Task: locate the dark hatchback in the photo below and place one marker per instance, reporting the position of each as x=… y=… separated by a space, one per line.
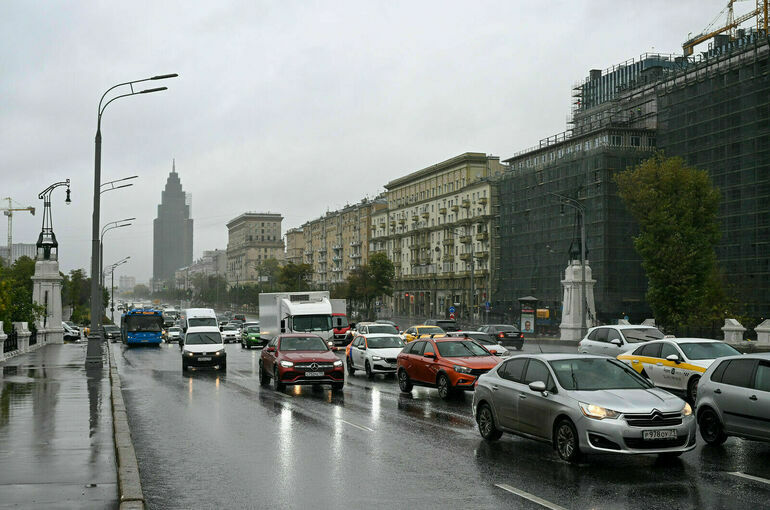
x=505 y=334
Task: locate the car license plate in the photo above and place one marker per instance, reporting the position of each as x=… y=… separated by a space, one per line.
x=204 y=358
x=649 y=435
x=314 y=374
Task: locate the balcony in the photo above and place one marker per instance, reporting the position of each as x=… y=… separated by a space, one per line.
x=355 y=244
x=483 y=200
x=442 y=210
x=355 y=256
x=482 y=236
x=465 y=239
x=336 y=258
x=448 y=241
x=415 y=218
x=455 y=208
x=482 y=254
x=466 y=203
x=465 y=256
x=336 y=270
x=448 y=258
x=425 y=215
x=322 y=250
x=401 y=221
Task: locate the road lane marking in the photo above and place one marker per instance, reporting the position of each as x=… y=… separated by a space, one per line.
x=531 y=497
x=366 y=429
x=750 y=477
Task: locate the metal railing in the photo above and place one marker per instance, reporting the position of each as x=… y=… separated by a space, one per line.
x=12 y=342
x=33 y=338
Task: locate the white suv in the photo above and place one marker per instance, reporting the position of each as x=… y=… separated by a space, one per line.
x=615 y=340
x=203 y=347
x=374 y=353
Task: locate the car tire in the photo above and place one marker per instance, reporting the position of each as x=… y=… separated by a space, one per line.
x=692 y=389
x=444 y=387
x=404 y=384
x=368 y=369
x=519 y=347
x=486 y=422
x=566 y=441
x=711 y=429
x=184 y=366
x=338 y=386
x=351 y=369
x=277 y=384
x=264 y=380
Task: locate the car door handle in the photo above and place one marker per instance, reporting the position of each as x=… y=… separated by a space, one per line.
x=753 y=397
x=718 y=391
x=494 y=387
x=522 y=396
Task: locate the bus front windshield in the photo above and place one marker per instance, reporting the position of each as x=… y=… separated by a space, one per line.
x=312 y=322
x=202 y=321
x=144 y=324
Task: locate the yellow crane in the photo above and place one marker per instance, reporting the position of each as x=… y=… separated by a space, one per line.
x=8 y=211
x=760 y=13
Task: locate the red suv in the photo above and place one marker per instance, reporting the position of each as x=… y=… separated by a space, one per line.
x=300 y=359
x=449 y=364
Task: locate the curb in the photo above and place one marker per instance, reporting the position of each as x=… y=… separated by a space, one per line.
x=129 y=483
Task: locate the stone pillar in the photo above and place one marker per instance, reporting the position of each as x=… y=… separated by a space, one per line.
x=763 y=332
x=47 y=293
x=23 y=335
x=733 y=331
x=623 y=322
x=3 y=337
x=648 y=322
x=572 y=310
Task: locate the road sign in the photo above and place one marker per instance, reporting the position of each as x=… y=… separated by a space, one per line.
x=487 y=305
x=452 y=309
x=451 y=315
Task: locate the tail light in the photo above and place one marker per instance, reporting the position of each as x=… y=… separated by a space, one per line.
x=501 y=335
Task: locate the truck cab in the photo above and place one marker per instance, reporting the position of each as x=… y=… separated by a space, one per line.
x=295 y=312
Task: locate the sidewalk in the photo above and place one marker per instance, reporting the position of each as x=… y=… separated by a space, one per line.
x=56 y=440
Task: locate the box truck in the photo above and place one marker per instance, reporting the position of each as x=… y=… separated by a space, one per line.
x=295 y=312
x=340 y=319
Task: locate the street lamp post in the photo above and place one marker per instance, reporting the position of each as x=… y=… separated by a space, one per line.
x=94 y=351
x=580 y=208
x=111 y=269
x=106 y=228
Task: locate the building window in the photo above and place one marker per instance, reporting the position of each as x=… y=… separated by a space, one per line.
x=616 y=140
x=636 y=141
x=651 y=141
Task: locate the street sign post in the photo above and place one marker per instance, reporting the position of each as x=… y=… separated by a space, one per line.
x=451 y=309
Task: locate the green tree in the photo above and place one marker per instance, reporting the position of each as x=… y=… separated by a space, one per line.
x=269 y=269
x=370 y=281
x=16 y=303
x=295 y=277
x=676 y=207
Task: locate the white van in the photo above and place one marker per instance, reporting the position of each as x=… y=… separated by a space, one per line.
x=203 y=347
x=193 y=317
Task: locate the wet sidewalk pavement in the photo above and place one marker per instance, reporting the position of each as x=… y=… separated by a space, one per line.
x=56 y=442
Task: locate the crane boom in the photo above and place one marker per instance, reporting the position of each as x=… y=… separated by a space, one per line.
x=731 y=23
x=8 y=211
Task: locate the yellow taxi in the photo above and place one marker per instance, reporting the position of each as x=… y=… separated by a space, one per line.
x=676 y=364
x=422 y=330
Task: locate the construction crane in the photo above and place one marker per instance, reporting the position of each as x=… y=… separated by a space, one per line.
x=760 y=13
x=8 y=211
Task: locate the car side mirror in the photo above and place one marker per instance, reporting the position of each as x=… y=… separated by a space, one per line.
x=538 y=386
x=430 y=355
x=616 y=341
x=271 y=349
x=283 y=325
x=674 y=358
x=362 y=347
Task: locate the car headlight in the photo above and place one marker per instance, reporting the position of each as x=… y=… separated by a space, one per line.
x=338 y=363
x=598 y=412
x=188 y=353
x=220 y=353
x=686 y=410
x=287 y=364
x=462 y=370
x=377 y=358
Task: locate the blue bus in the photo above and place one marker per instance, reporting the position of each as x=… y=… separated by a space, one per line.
x=142 y=326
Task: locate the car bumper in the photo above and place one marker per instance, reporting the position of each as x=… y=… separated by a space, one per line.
x=289 y=376
x=253 y=341
x=196 y=361
x=381 y=367
x=616 y=436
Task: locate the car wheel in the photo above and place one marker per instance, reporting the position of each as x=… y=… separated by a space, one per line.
x=337 y=386
x=519 y=347
x=404 y=384
x=351 y=370
x=277 y=384
x=264 y=380
x=368 y=369
x=486 y=424
x=184 y=366
x=566 y=441
x=692 y=389
x=444 y=386
x=711 y=429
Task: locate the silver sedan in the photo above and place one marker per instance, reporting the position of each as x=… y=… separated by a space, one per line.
x=581 y=404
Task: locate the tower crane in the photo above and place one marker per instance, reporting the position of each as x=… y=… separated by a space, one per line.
x=8 y=211
x=760 y=13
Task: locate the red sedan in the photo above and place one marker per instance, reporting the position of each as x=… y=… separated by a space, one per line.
x=300 y=359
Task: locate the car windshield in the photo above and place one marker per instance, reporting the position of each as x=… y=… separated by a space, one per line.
x=707 y=350
x=202 y=338
x=230 y=327
x=636 y=336
x=252 y=329
x=174 y=330
x=70 y=324
x=303 y=343
x=312 y=322
x=482 y=338
x=591 y=374
x=384 y=342
x=111 y=329
x=382 y=328
x=460 y=349
x=430 y=330
x=201 y=321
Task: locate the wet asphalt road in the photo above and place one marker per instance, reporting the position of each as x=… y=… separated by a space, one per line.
x=219 y=440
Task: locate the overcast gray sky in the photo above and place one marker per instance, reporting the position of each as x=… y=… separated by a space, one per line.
x=290 y=107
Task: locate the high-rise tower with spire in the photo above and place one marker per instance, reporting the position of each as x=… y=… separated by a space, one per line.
x=172 y=232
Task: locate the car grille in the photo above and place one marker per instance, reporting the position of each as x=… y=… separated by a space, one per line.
x=390 y=360
x=319 y=366
x=638 y=443
x=478 y=371
x=654 y=419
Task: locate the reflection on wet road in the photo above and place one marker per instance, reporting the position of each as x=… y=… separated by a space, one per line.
x=208 y=439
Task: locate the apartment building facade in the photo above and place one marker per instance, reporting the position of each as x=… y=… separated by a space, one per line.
x=252 y=238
